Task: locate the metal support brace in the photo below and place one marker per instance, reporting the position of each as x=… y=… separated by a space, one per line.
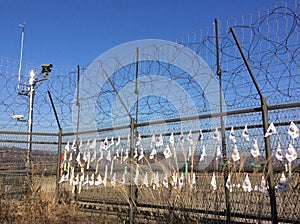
x=264 y=108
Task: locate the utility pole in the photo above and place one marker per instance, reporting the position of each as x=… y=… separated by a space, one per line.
x=31 y=93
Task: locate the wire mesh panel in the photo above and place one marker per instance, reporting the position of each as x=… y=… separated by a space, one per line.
x=152 y=127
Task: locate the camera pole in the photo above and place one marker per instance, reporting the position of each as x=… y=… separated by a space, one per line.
x=31 y=92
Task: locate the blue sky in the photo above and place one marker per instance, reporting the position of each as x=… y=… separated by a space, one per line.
x=72 y=32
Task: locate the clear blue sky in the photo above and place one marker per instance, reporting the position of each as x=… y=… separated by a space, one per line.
x=72 y=32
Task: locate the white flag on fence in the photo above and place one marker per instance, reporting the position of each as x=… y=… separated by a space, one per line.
x=190 y=138
x=190 y=152
x=76 y=179
x=117 y=154
x=111 y=142
x=123 y=181
x=88 y=159
x=216 y=135
x=181 y=138
x=245 y=133
x=141 y=156
x=283 y=184
x=279 y=153
x=156 y=181
x=87 y=144
x=235 y=153
x=136 y=178
x=80 y=183
x=67 y=147
x=113 y=180
x=193 y=179
x=165 y=181
x=74 y=146
x=126 y=155
x=146 y=181
x=203 y=153
x=128 y=140
x=153 y=141
x=271 y=130
x=228 y=184
x=247 y=184
x=135 y=153
x=291 y=153
x=64 y=178
x=167 y=152
x=213 y=182
x=218 y=150
x=174 y=179
x=92 y=180
x=108 y=156
x=105 y=144
x=160 y=141
x=200 y=137
x=171 y=140
x=255 y=150
x=138 y=140
x=71 y=157
x=93 y=145
x=98 y=180
x=263 y=186
x=72 y=174
x=85 y=156
x=119 y=141
x=86 y=180
x=78 y=158
x=293 y=130
x=152 y=154
x=232 y=135
x=181 y=180
x=80 y=144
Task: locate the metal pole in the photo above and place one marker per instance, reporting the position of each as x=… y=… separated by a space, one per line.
x=131 y=186
x=21 y=57
x=136 y=91
x=58 y=163
x=224 y=152
x=77 y=128
x=29 y=139
x=269 y=157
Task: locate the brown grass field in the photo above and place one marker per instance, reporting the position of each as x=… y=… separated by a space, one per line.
x=99 y=204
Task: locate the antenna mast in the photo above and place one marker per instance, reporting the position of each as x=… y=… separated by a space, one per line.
x=21 y=56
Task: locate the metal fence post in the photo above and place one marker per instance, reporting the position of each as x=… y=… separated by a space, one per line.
x=131 y=186
x=58 y=164
x=224 y=150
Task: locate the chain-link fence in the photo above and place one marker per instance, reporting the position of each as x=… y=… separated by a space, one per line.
x=194 y=131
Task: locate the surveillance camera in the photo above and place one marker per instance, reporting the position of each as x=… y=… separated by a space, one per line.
x=18 y=116
x=46 y=68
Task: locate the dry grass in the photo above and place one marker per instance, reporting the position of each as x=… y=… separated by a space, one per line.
x=40 y=208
